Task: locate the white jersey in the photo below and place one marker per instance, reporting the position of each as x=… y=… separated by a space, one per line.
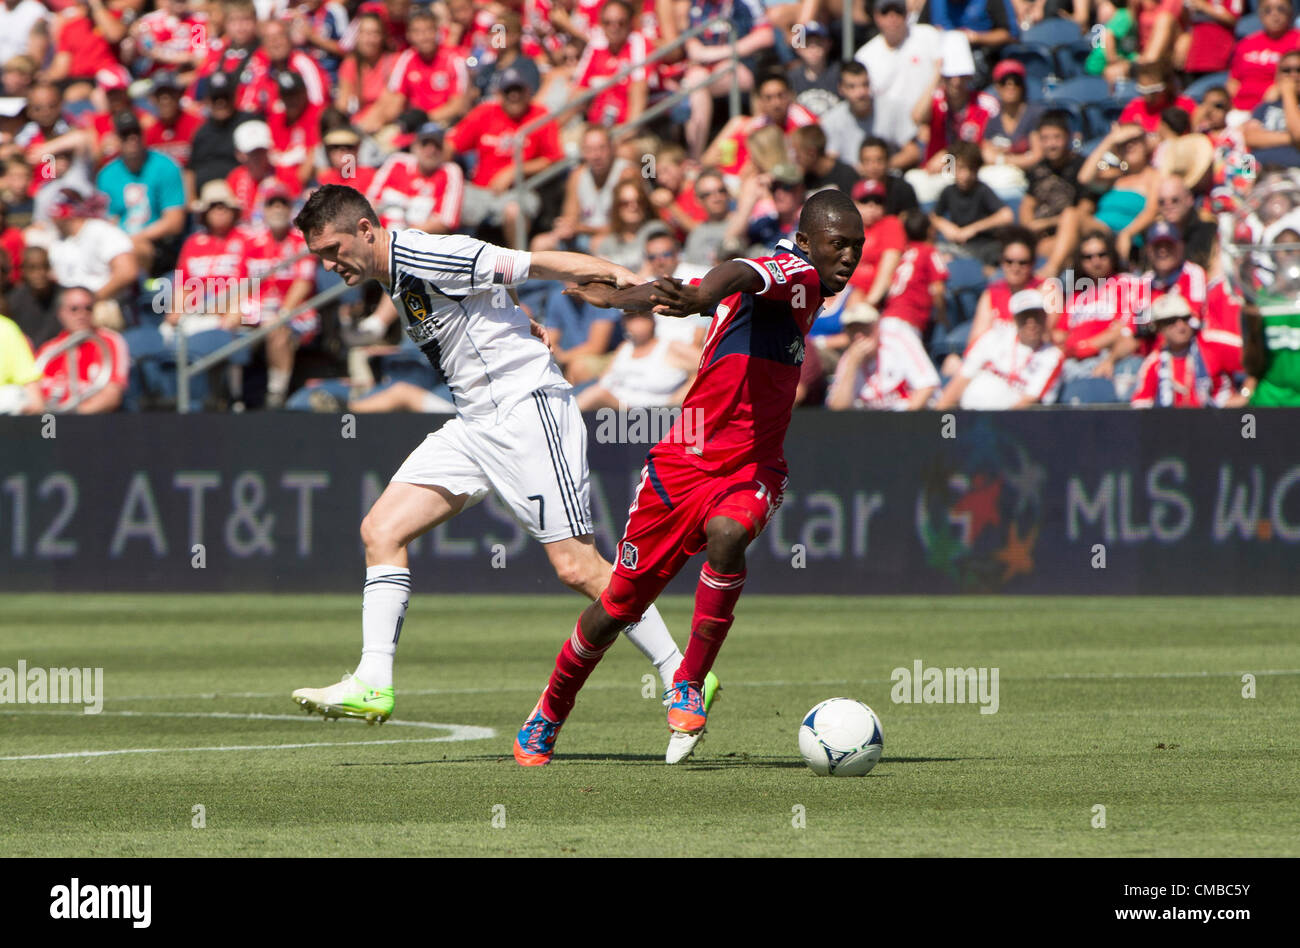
x=645 y=382
x=453 y=290
x=899 y=369
x=1003 y=370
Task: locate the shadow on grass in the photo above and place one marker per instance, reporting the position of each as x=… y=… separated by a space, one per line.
x=726 y=762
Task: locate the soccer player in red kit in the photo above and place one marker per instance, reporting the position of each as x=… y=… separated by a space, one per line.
x=715 y=479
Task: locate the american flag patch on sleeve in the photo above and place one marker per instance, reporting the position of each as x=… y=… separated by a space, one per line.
x=504 y=270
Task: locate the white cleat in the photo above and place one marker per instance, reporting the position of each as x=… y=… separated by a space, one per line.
x=349 y=698
x=681 y=746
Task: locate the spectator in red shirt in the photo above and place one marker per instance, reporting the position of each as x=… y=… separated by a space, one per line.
x=422 y=190
x=279 y=291
x=883 y=249
x=363 y=76
x=1207 y=46
x=295 y=129
x=617 y=49
x=425 y=77
x=1157 y=90
x=107 y=143
x=170 y=38
x=85 y=42
x=776 y=107
x=255 y=173
x=673 y=194
x=213 y=265
x=341 y=148
x=1159 y=24
x=994 y=306
x=259 y=90
x=105 y=352
x=231 y=51
x=1184 y=372
x=916 y=292
x=11 y=250
x=488 y=133
x=172 y=131
x=1255 y=58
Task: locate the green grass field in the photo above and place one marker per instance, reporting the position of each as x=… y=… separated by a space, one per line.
x=1133 y=704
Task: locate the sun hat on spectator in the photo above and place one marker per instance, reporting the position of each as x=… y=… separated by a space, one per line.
x=868 y=190
x=1169 y=307
x=1288 y=221
x=787 y=174
x=1188 y=157
x=861 y=314
x=1028 y=301
x=431 y=131
x=342 y=136
x=217 y=192
x=251 y=136
x=954 y=48
x=512 y=78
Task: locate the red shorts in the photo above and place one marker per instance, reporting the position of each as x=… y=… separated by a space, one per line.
x=666 y=523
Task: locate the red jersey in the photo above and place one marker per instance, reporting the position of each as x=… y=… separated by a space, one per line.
x=598 y=65
x=796 y=117
x=174 y=140
x=1196 y=379
x=176 y=36
x=1212 y=41
x=490 y=132
x=259 y=93
x=12 y=245
x=404 y=197
x=1139 y=113
x=262 y=252
x=55 y=383
x=361 y=178
x=251 y=192
x=1254 y=65
x=1189 y=282
x=739 y=406
x=1092 y=310
x=964 y=125
x=909 y=292
x=86 y=47
x=205 y=255
x=429 y=84
x=293 y=143
x=885 y=234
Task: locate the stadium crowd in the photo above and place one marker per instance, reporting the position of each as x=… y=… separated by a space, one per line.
x=1040 y=185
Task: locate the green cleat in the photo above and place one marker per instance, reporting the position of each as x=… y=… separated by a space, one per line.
x=682 y=745
x=350 y=698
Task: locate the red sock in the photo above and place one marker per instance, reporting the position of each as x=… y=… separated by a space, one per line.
x=576 y=661
x=715 y=600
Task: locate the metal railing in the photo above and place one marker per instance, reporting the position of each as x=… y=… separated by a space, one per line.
x=72 y=346
x=185 y=369
x=732 y=68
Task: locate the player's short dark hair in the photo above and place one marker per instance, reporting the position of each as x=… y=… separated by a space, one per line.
x=335 y=204
x=824 y=205
x=916 y=226
x=854 y=68
x=1056 y=118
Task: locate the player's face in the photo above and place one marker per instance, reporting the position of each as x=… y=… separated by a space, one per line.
x=348 y=255
x=834 y=249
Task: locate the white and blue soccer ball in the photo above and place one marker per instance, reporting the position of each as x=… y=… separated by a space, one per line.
x=841 y=737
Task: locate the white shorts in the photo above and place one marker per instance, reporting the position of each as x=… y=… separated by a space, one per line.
x=535 y=461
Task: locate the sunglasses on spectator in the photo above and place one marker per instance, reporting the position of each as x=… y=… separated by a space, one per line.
x=665 y=255
x=1102 y=255
x=1013 y=80
x=1217 y=104
x=1277 y=8
x=1171 y=200
x=705 y=195
x=78 y=306
x=1017 y=261
x=1152 y=89
x=1289 y=70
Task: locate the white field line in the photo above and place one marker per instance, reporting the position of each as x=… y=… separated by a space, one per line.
x=459 y=732
x=608 y=686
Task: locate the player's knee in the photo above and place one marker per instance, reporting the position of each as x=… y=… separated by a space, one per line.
x=378 y=536
x=573 y=569
x=727 y=540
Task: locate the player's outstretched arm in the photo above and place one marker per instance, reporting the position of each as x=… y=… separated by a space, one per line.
x=734 y=276
x=579 y=268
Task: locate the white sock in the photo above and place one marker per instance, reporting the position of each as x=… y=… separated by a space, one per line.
x=383 y=607
x=277 y=381
x=652 y=637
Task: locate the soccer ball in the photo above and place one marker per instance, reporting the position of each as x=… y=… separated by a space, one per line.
x=841 y=738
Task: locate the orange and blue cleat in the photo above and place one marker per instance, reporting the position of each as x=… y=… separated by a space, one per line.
x=687 y=712
x=535 y=742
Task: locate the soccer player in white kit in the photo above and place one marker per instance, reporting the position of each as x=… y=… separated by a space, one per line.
x=517 y=430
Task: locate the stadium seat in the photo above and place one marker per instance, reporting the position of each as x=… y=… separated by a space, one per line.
x=1101 y=115
x=965 y=272
x=1204 y=84
x=1078 y=121
x=1083 y=89
x=1071 y=57
x=1053 y=32
x=1248 y=24
x=1087 y=391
